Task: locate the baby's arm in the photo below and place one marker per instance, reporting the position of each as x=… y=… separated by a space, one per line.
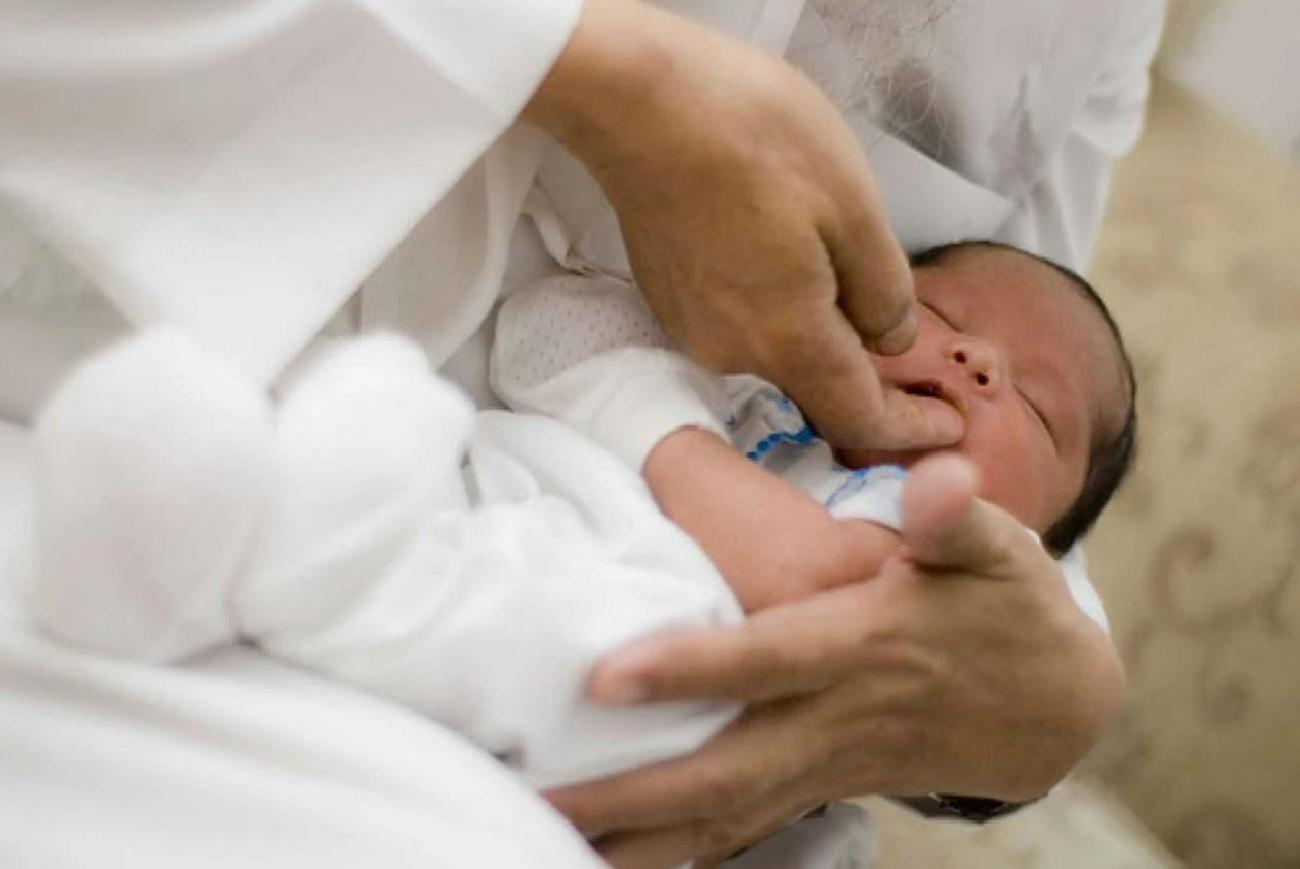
x=587 y=351
x=728 y=504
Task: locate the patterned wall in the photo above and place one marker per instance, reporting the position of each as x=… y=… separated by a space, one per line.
x=1199 y=559
x=1241 y=56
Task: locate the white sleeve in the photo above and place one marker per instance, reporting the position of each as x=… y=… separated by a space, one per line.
x=1074 y=564
x=237 y=167
x=586 y=350
x=1061 y=214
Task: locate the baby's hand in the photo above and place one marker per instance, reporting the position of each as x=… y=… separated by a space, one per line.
x=771 y=542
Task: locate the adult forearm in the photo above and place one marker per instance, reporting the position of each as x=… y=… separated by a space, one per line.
x=612 y=64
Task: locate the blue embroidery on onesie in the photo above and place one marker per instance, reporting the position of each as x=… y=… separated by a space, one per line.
x=858 y=479
x=802 y=437
x=783 y=420
x=874 y=494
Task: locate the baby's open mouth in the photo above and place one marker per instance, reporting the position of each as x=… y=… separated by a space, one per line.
x=932 y=389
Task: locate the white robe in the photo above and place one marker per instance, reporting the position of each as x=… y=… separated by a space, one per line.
x=238 y=168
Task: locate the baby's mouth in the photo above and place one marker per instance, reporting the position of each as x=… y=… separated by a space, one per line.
x=933 y=389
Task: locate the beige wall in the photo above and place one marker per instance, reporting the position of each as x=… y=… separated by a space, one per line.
x=1242 y=56
x=1184 y=16
x=1199 y=557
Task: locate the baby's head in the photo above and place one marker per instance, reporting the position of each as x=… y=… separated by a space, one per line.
x=1027 y=353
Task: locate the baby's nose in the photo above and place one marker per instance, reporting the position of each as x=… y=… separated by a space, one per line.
x=979 y=359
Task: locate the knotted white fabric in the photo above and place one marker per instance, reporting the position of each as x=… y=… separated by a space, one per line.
x=372 y=527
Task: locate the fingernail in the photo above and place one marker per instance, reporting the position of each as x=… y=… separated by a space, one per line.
x=619 y=682
x=619 y=692
x=621 y=679
x=946 y=424
x=900 y=338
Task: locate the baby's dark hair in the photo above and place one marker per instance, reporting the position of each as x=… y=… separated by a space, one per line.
x=1110 y=457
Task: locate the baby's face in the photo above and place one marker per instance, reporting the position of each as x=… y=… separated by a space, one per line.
x=1027 y=362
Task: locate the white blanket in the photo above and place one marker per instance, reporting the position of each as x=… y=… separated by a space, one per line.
x=179 y=512
x=233 y=759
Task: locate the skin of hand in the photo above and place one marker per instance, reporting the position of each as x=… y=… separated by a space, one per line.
x=906 y=684
x=725 y=503
x=750 y=215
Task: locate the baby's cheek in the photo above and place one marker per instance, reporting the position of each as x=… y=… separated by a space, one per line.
x=1014 y=475
x=1012 y=492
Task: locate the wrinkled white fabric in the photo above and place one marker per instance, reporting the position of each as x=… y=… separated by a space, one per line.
x=238 y=759
x=234 y=758
x=178 y=512
x=204 y=162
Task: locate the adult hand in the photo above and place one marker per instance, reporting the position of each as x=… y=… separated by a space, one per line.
x=964 y=667
x=750 y=215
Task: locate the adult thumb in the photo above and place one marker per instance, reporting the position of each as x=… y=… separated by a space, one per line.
x=945 y=526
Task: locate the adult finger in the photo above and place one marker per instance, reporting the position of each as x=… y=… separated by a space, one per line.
x=675 y=846
x=783 y=651
x=821 y=363
x=704 y=844
x=661 y=794
x=709 y=841
x=874 y=278
x=946 y=526
x=658 y=849
x=756 y=756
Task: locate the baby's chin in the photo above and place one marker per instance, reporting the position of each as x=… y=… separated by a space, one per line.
x=873 y=458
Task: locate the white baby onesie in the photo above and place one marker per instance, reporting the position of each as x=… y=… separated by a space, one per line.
x=586 y=349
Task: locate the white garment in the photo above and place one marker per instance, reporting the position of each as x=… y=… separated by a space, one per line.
x=233 y=759
x=237 y=167
x=172 y=151
x=586 y=350
x=178 y=513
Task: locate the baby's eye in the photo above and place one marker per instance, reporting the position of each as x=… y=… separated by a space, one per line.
x=1042 y=417
x=947 y=321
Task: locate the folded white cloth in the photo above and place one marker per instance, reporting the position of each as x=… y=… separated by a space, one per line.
x=178 y=510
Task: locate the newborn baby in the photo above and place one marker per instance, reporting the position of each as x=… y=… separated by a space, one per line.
x=1024 y=350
